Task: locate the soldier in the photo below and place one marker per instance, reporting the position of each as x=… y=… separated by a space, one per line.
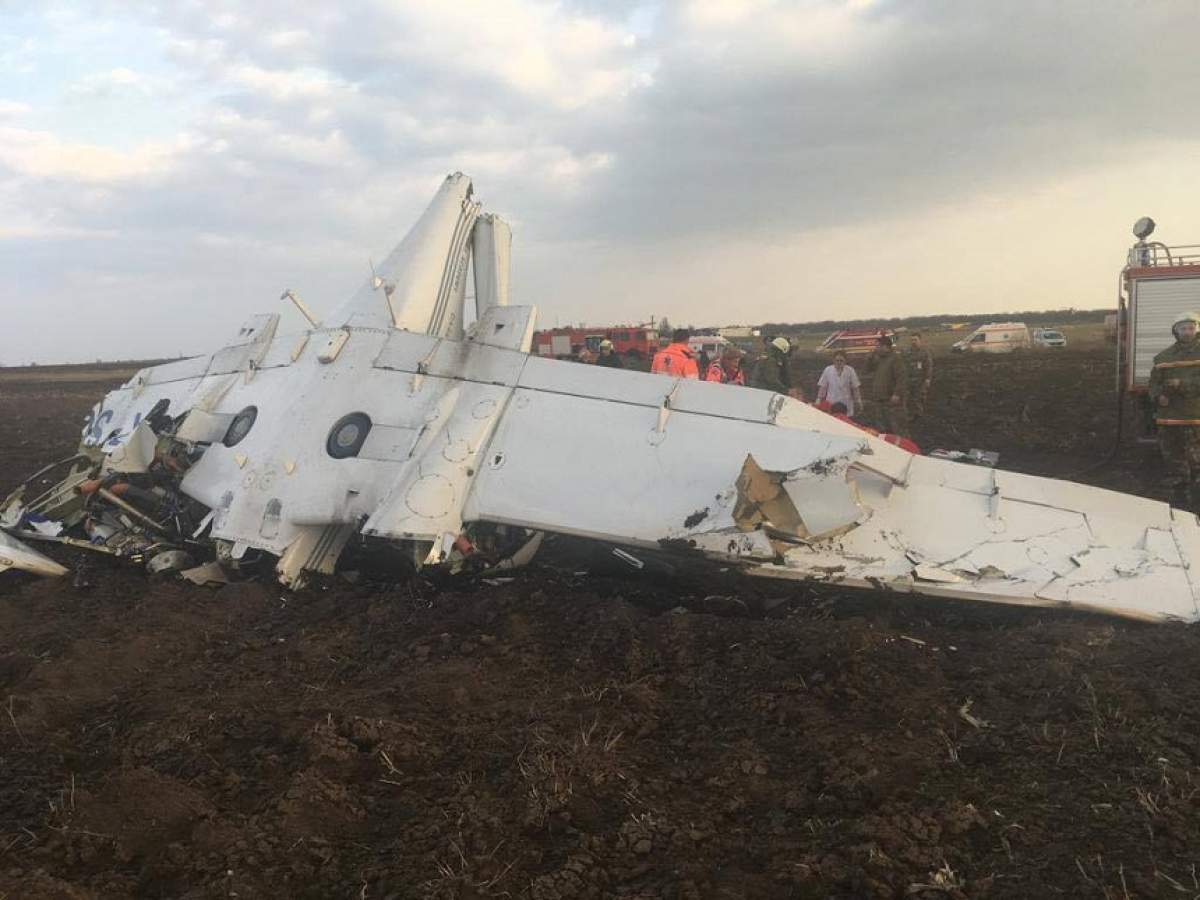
x=774 y=371
x=1175 y=393
x=889 y=388
x=920 y=370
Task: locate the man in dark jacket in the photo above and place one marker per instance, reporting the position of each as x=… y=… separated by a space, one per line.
x=889 y=388
x=774 y=372
x=607 y=358
x=920 y=370
x=1175 y=393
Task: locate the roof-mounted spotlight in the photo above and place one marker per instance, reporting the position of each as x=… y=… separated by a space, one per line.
x=1143 y=228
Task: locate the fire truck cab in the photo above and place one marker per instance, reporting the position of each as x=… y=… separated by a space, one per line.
x=633 y=341
x=1158 y=283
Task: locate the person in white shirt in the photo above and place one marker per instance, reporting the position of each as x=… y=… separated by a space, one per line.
x=839 y=384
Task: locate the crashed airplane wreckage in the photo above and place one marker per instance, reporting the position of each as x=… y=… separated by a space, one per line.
x=394 y=424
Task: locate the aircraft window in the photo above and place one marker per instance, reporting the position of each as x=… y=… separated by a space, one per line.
x=348 y=435
x=240 y=426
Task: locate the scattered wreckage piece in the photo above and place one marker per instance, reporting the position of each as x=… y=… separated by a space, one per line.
x=400 y=425
x=16 y=555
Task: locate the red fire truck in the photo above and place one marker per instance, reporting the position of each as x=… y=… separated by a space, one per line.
x=854 y=343
x=1158 y=283
x=638 y=341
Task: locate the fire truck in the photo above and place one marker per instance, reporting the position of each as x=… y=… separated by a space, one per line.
x=637 y=341
x=854 y=343
x=1157 y=284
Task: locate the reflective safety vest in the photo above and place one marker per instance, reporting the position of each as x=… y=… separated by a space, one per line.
x=716 y=372
x=676 y=360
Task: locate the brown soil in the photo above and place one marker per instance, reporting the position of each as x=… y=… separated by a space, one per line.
x=569 y=735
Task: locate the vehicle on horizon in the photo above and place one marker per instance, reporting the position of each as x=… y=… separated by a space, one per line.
x=739 y=332
x=633 y=341
x=855 y=342
x=1048 y=337
x=710 y=344
x=995 y=337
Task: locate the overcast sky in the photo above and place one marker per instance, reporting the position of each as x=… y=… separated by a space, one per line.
x=168 y=168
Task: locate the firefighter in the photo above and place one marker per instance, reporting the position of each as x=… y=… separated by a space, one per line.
x=676 y=359
x=774 y=371
x=607 y=358
x=889 y=387
x=1175 y=393
x=920 y=371
x=727 y=369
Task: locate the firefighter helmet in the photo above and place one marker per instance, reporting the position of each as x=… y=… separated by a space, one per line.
x=1180 y=319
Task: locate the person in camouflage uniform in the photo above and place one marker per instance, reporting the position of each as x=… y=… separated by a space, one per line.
x=1175 y=393
x=920 y=370
x=889 y=388
x=774 y=372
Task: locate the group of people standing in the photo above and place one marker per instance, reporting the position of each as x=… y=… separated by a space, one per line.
x=773 y=371
x=900 y=381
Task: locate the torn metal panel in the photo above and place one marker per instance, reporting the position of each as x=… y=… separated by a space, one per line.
x=1115 y=518
x=1126 y=582
x=312 y=549
x=973 y=479
x=887 y=459
x=16 y=555
x=959 y=541
x=826 y=503
x=209 y=574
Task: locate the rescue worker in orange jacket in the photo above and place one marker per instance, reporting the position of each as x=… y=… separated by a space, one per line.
x=677 y=358
x=727 y=369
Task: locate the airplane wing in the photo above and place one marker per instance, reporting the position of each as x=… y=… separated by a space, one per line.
x=640 y=459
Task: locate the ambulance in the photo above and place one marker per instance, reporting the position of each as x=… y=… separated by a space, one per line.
x=996 y=337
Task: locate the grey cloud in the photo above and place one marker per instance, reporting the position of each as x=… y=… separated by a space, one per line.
x=962 y=97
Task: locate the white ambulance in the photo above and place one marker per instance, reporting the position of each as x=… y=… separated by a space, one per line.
x=996 y=337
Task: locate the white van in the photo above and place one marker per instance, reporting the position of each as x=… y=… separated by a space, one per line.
x=711 y=344
x=999 y=337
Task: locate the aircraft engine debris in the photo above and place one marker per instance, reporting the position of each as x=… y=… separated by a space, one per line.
x=394 y=422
